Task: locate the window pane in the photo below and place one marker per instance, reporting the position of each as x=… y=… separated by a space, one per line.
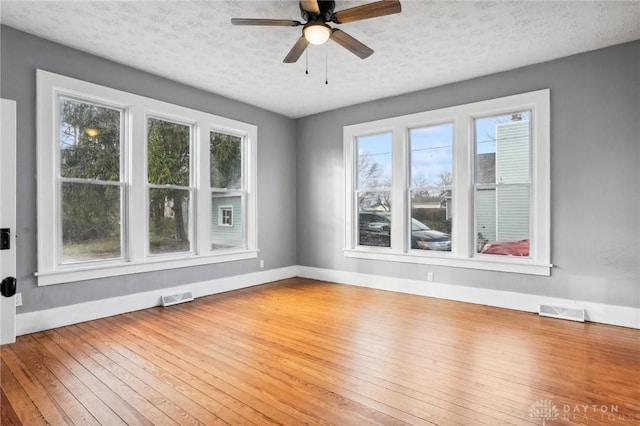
x=169 y=218
x=431 y=219
x=226 y=161
x=431 y=183
x=89 y=138
x=502 y=220
x=374 y=161
x=502 y=148
x=90 y=222
x=168 y=146
x=432 y=156
x=227 y=221
x=374 y=219
x=502 y=204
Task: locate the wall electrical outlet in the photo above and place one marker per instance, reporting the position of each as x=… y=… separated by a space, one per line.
x=430 y=276
x=261 y=264
x=18 y=299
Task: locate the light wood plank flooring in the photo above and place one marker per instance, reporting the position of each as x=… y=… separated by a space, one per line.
x=306 y=352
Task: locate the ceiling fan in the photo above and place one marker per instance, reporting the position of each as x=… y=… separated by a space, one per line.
x=315 y=30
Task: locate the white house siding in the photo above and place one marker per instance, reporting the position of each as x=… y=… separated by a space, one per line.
x=224 y=236
x=512 y=167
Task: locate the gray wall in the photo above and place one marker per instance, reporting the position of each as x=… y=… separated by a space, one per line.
x=21 y=54
x=595 y=172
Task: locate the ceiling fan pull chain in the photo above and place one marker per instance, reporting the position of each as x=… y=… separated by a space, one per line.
x=326 y=67
x=306 y=62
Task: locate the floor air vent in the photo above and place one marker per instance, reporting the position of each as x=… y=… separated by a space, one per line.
x=174 y=299
x=573 y=314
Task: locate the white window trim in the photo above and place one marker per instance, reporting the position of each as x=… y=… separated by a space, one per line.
x=137 y=109
x=463 y=253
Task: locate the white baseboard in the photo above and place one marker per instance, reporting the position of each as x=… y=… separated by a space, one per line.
x=596 y=312
x=47 y=319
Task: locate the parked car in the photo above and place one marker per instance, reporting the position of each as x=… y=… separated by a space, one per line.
x=425 y=238
x=507 y=248
x=375 y=230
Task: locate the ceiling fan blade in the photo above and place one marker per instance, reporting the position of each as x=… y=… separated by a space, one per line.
x=296 y=51
x=267 y=22
x=351 y=44
x=310 y=6
x=371 y=10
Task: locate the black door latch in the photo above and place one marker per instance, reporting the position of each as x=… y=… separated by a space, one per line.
x=5 y=239
x=8 y=286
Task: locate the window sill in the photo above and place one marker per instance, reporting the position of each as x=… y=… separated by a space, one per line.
x=95 y=271
x=506 y=264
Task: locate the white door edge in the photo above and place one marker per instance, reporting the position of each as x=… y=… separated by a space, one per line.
x=8 y=214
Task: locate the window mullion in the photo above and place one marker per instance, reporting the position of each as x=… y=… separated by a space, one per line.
x=462 y=240
x=399 y=215
x=202 y=192
x=137 y=193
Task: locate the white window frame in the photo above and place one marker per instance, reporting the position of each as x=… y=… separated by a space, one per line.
x=463 y=253
x=221 y=211
x=192 y=188
x=136 y=111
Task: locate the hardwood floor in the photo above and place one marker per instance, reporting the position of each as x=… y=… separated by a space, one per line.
x=306 y=352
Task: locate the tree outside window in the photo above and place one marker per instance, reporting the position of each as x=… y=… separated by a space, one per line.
x=169 y=177
x=91 y=190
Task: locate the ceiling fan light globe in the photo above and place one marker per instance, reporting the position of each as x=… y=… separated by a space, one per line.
x=317 y=33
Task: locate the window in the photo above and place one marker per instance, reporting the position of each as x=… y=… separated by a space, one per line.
x=225 y=216
x=90 y=182
x=430 y=188
x=502 y=184
x=373 y=190
x=128 y=184
x=228 y=193
x=169 y=186
x=469 y=186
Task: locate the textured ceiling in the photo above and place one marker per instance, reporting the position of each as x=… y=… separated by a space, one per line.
x=429 y=44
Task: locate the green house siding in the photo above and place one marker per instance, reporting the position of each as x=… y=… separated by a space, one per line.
x=486 y=214
x=513 y=213
x=512 y=167
x=512 y=152
x=222 y=235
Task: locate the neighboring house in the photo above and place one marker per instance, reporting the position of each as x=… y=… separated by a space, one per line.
x=427 y=203
x=168 y=208
x=486 y=198
x=226 y=222
x=512 y=167
x=503 y=212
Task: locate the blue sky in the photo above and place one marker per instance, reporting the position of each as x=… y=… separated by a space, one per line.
x=431 y=147
x=431 y=153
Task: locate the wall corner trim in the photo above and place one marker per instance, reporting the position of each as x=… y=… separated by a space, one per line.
x=623 y=316
x=31 y=322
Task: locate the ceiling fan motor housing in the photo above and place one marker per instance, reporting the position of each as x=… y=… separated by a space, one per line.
x=325 y=14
